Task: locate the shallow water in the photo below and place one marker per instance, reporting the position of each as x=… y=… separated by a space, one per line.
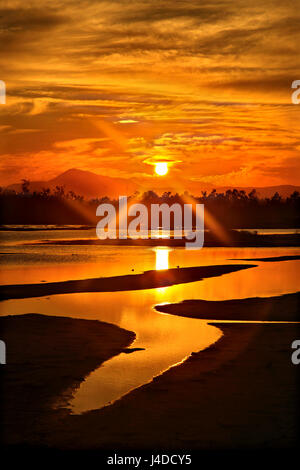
x=167 y=339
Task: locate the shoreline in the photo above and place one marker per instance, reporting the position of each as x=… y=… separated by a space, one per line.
x=47 y=359
x=240 y=393
x=230 y=238
x=278 y=308
x=147 y=280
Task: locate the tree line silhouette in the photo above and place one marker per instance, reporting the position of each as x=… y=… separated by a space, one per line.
x=232 y=209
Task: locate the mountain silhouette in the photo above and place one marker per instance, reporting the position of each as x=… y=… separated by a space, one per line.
x=84 y=183
x=91 y=185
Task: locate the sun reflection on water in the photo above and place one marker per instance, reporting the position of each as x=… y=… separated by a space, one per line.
x=162 y=258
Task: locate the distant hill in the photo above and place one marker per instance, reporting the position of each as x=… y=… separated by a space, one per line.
x=89 y=185
x=84 y=183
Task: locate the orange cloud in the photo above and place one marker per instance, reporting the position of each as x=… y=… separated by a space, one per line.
x=110 y=86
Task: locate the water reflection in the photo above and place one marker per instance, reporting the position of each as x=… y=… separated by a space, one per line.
x=162 y=258
x=167 y=339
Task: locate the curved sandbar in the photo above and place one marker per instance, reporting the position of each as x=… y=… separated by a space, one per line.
x=47 y=356
x=280 y=308
x=271 y=258
x=147 y=280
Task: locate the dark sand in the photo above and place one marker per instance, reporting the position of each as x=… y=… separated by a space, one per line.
x=46 y=357
x=241 y=393
x=270 y=259
x=281 y=308
x=147 y=280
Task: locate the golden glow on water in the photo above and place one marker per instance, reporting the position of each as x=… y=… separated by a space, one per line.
x=162 y=258
x=166 y=339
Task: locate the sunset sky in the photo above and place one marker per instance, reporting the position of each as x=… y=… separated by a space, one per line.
x=113 y=86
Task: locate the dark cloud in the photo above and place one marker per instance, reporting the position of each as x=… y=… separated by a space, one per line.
x=154 y=11
x=20 y=27
x=263 y=81
x=16 y=20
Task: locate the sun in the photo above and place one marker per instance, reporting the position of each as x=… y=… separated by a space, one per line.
x=161 y=168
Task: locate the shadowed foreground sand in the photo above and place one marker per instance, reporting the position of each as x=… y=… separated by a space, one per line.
x=241 y=393
x=46 y=355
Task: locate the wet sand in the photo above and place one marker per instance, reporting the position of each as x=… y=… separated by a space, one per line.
x=147 y=280
x=271 y=258
x=241 y=393
x=280 y=308
x=46 y=357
